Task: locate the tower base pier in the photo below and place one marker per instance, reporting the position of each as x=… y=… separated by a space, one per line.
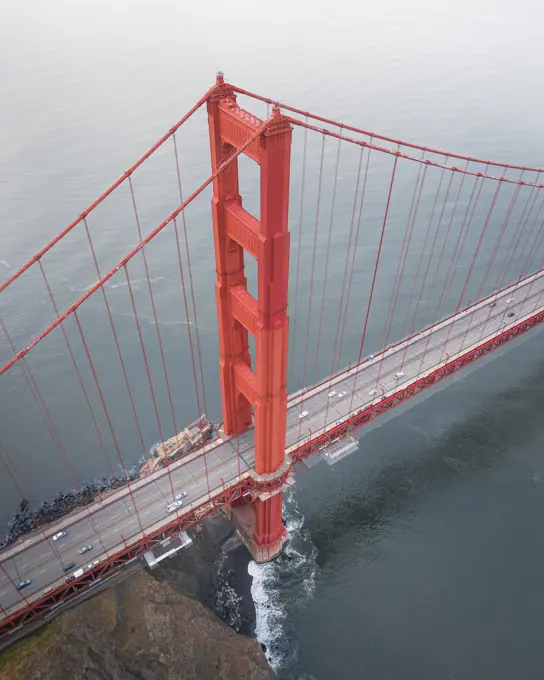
x=260 y=526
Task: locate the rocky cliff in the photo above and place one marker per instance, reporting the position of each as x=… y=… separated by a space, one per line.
x=149 y=627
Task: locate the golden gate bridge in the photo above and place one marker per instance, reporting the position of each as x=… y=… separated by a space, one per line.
x=405 y=261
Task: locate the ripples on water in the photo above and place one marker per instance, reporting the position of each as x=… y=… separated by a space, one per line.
x=429 y=541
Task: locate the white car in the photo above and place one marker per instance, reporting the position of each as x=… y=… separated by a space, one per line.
x=85 y=549
x=332 y=394
x=303 y=415
x=372 y=393
x=59 y=535
x=174 y=506
x=341 y=394
x=180 y=496
x=398 y=375
x=509 y=301
x=89 y=566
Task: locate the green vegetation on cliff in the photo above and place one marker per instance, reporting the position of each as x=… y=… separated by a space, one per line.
x=144 y=628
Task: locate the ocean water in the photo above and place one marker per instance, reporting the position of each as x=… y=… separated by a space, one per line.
x=418 y=557
x=421 y=555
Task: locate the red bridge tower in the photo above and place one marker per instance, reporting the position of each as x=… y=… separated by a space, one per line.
x=261 y=392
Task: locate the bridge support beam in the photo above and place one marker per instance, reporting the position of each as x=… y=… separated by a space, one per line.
x=256 y=396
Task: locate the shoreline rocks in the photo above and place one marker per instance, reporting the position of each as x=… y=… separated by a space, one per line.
x=28 y=519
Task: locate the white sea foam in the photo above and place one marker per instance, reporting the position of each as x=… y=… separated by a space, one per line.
x=76 y=289
x=5 y=264
x=280 y=586
x=151 y=321
x=135 y=284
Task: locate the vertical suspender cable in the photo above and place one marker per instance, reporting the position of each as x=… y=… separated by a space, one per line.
x=437 y=312
x=148 y=372
x=320 y=328
x=187 y=320
x=345 y=275
x=536 y=219
x=354 y=255
x=12 y=474
x=475 y=256
x=318 y=207
x=34 y=389
x=309 y=316
x=412 y=215
x=501 y=278
x=348 y=252
x=401 y=262
x=534 y=250
x=467 y=221
x=430 y=257
x=116 y=340
x=374 y=275
x=108 y=418
x=442 y=249
x=498 y=241
x=80 y=379
x=197 y=331
x=299 y=249
x=154 y=309
x=482 y=234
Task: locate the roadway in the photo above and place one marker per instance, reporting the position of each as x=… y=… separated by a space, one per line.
x=357 y=388
x=115 y=519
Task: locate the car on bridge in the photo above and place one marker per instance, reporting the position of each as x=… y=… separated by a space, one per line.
x=85 y=549
x=492 y=304
x=372 y=393
x=23 y=584
x=303 y=415
x=398 y=375
x=59 y=535
x=69 y=567
x=180 y=496
x=86 y=568
x=511 y=314
x=174 y=506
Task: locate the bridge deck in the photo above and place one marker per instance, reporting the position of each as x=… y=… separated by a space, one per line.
x=36 y=558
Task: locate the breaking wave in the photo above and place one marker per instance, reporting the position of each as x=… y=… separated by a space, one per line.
x=281 y=586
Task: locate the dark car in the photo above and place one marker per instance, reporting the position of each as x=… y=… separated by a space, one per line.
x=23 y=584
x=68 y=567
x=511 y=314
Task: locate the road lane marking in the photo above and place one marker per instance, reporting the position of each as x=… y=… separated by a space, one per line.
x=25 y=570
